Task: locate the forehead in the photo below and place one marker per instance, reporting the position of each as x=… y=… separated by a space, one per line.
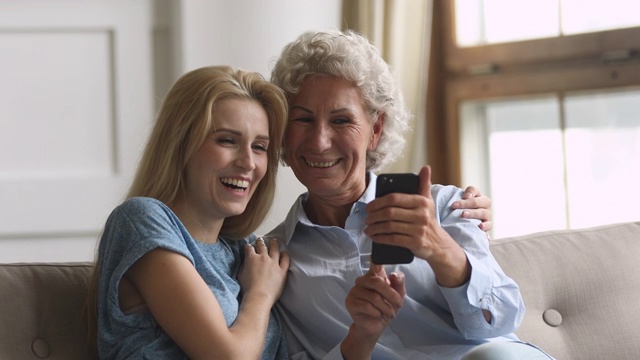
x=240 y=113
x=330 y=91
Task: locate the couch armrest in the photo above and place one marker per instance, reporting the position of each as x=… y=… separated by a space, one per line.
x=581 y=289
x=41 y=311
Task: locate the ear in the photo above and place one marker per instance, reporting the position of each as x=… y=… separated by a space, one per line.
x=377 y=131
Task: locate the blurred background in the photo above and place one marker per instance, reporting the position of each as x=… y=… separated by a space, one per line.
x=536 y=102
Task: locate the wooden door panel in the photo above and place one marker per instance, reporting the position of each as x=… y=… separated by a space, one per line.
x=75 y=107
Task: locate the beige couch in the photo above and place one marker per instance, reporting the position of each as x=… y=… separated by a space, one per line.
x=581 y=288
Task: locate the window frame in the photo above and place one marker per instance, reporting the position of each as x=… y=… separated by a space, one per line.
x=582 y=62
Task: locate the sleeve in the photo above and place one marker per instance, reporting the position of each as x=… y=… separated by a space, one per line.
x=133 y=229
x=334 y=354
x=489 y=288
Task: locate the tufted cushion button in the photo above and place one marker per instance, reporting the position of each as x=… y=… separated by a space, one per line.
x=552 y=317
x=40 y=348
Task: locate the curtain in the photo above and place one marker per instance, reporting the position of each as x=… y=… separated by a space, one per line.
x=401 y=29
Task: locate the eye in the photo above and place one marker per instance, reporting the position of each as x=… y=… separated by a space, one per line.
x=303 y=119
x=225 y=141
x=341 y=121
x=262 y=147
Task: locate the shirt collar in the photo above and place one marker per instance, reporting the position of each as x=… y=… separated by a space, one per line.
x=370 y=191
x=298 y=215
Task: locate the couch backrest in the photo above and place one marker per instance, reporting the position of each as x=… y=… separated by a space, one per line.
x=41 y=307
x=581 y=289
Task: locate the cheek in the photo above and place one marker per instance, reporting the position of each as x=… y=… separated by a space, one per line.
x=356 y=139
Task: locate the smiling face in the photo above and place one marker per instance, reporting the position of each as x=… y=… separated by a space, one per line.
x=327 y=137
x=223 y=173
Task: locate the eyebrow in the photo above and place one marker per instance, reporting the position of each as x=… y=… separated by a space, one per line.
x=345 y=109
x=238 y=133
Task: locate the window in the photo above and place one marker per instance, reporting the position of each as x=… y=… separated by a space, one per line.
x=538 y=103
x=481 y=22
x=576 y=159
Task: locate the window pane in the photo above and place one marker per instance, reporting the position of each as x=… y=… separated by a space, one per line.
x=513 y=149
x=508 y=20
x=481 y=22
x=581 y=16
x=603 y=158
x=469 y=20
x=525 y=170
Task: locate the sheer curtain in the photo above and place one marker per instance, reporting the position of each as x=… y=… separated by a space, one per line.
x=401 y=29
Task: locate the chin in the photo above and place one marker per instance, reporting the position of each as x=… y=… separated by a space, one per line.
x=235 y=211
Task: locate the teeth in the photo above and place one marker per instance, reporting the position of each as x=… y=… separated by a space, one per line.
x=235 y=182
x=324 y=164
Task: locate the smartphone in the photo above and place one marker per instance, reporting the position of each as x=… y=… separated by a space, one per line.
x=393 y=183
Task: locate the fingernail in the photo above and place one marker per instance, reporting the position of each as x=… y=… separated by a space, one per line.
x=398 y=275
x=455 y=205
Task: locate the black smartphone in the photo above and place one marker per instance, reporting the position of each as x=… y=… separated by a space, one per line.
x=393 y=183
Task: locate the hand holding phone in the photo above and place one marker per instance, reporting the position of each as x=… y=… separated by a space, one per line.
x=407 y=183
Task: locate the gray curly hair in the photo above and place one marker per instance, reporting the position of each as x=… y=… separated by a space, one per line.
x=349 y=55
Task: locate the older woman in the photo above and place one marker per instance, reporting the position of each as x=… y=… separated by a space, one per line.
x=346 y=121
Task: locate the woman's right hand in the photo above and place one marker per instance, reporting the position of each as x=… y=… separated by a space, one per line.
x=373 y=302
x=264 y=270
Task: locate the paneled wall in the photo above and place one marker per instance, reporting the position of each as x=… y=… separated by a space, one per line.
x=80 y=83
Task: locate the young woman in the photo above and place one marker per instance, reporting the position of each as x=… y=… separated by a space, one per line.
x=168 y=281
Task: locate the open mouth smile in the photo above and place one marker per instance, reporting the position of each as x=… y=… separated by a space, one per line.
x=320 y=164
x=235 y=184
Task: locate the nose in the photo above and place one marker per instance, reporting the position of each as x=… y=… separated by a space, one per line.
x=244 y=158
x=319 y=137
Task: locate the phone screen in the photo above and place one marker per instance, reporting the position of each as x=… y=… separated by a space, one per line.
x=393 y=183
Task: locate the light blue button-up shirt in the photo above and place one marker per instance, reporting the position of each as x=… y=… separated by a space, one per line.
x=434 y=322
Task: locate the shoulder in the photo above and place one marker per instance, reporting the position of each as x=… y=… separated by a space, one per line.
x=445 y=194
x=283 y=232
x=142 y=210
x=140 y=224
x=142 y=205
x=145 y=216
x=443 y=197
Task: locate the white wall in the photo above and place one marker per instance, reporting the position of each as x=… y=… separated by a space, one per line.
x=149 y=43
x=250 y=34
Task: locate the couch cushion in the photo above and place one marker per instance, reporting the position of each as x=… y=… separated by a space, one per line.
x=581 y=289
x=41 y=311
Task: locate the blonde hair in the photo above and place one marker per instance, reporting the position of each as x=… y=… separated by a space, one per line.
x=184 y=121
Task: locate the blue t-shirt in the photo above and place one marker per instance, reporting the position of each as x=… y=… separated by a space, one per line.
x=136 y=227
